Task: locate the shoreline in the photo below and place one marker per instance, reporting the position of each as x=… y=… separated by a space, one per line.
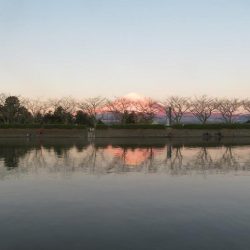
x=42 y=133
x=125 y=133
x=172 y=133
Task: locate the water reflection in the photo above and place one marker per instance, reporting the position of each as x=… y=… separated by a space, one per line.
x=171 y=157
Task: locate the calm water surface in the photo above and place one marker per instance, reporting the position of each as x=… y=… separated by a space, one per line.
x=124 y=194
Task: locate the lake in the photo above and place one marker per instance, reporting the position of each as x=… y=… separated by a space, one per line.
x=124 y=194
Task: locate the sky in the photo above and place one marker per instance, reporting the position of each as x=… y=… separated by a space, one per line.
x=156 y=48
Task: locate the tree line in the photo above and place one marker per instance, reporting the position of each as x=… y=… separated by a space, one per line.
x=91 y=111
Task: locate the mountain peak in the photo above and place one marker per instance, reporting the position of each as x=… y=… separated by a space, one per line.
x=134 y=97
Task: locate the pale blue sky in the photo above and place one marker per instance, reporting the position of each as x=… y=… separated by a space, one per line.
x=112 y=47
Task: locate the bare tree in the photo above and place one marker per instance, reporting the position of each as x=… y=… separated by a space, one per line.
x=228 y=108
x=202 y=108
x=93 y=107
x=31 y=105
x=68 y=104
x=120 y=107
x=43 y=107
x=178 y=106
x=35 y=106
x=2 y=102
x=246 y=105
x=53 y=103
x=2 y=98
x=147 y=109
x=144 y=110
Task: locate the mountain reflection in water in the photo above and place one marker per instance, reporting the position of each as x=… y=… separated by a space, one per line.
x=173 y=158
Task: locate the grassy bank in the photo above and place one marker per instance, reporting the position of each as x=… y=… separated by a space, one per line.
x=128 y=126
x=181 y=126
x=41 y=126
x=213 y=126
x=131 y=126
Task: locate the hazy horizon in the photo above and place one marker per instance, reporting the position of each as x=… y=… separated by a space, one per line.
x=112 y=48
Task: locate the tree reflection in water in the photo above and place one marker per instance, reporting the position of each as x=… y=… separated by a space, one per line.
x=11 y=156
x=170 y=158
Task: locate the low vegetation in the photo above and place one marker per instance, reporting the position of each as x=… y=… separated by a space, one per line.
x=131 y=126
x=212 y=126
x=41 y=126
